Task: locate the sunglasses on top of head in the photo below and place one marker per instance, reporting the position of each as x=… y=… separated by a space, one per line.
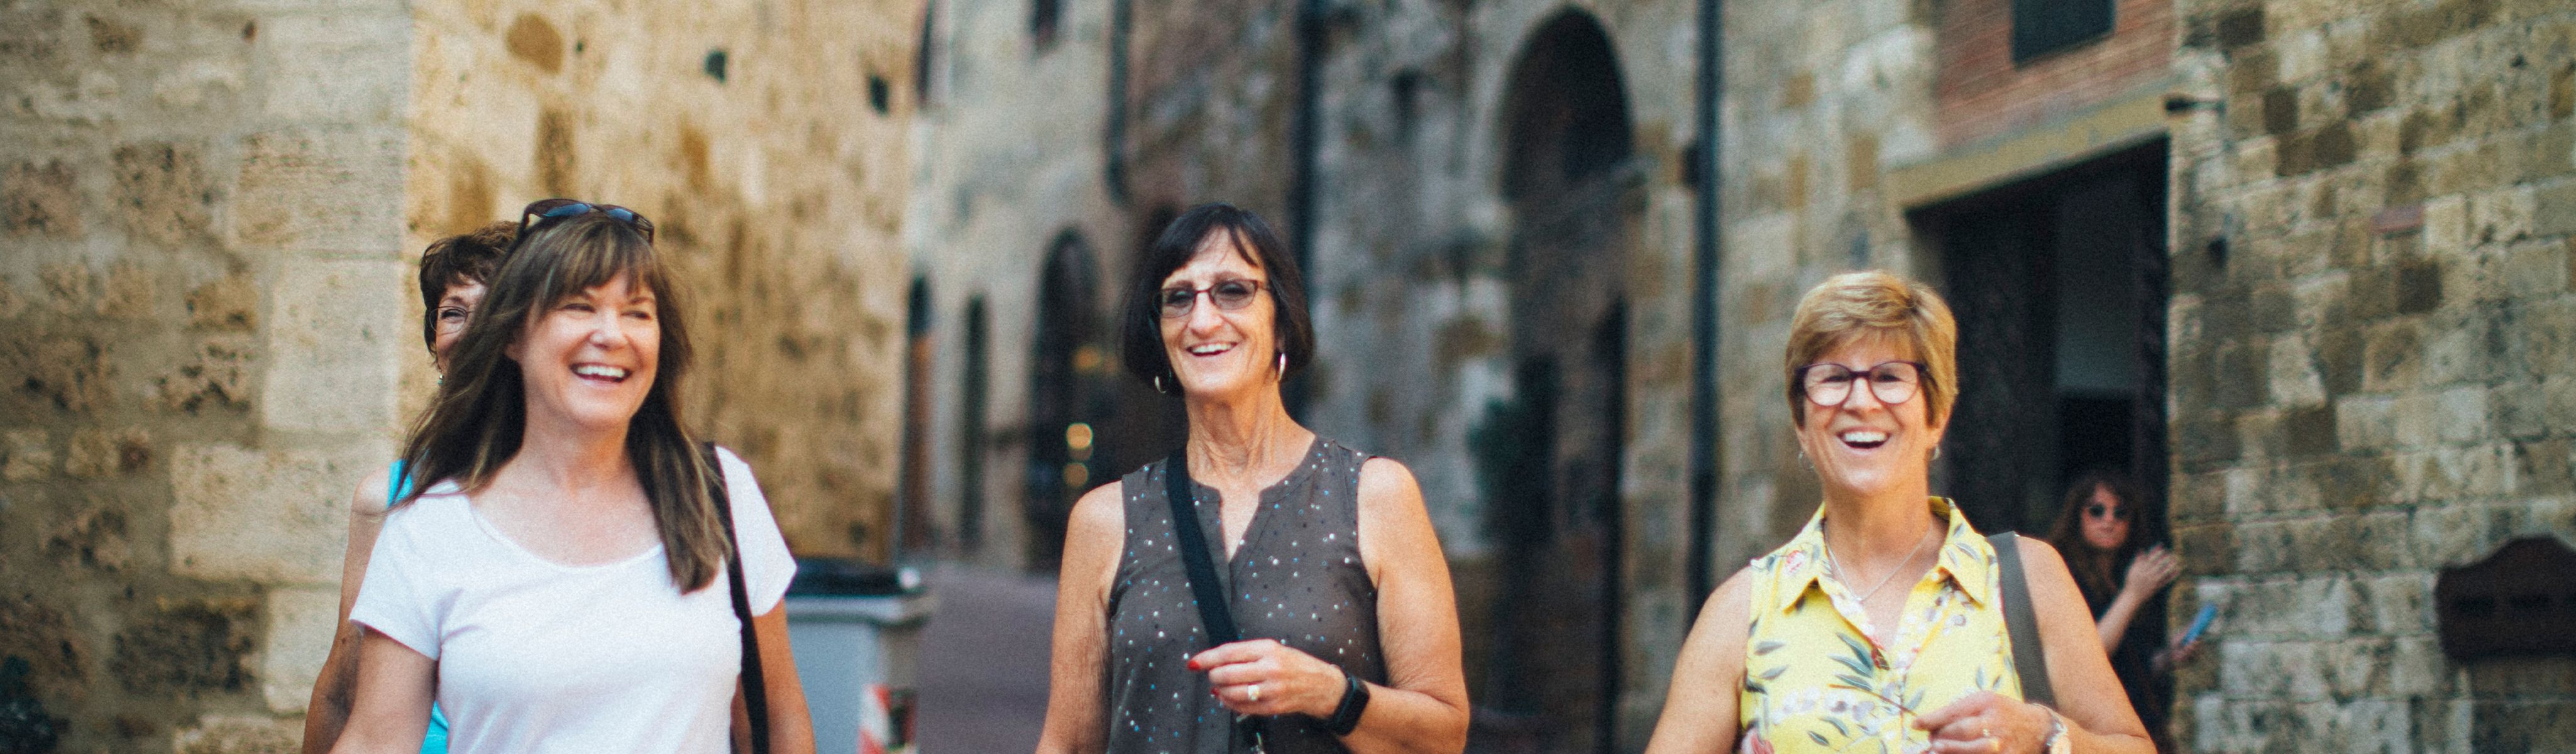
x=543 y=210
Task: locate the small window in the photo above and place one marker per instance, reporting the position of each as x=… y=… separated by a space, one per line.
x=2041 y=27
x=1044 y=17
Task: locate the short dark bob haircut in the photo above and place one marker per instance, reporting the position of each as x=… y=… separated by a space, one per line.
x=1140 y=329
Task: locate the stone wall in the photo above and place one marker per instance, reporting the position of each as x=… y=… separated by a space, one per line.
x=1012 y=158
x=1820 y=101
x=2371 y=323
x=201 y=232
x=207 y=335
x=767 y=143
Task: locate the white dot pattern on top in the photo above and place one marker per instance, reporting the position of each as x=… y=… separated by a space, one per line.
x=1297 y=577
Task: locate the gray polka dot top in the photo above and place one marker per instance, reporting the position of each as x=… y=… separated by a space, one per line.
x=1297 y=577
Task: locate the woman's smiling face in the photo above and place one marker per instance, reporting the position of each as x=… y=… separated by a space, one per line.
x=589 y=359
x=1213 y=350
x=1863 y=447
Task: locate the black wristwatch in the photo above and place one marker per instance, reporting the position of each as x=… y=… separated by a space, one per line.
x=1346 y=718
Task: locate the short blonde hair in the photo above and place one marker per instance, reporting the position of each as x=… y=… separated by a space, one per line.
x=1872 y=302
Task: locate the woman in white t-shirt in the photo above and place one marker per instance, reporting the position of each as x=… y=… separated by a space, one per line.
x=558 y=582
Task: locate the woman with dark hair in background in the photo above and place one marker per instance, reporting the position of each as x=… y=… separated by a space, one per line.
x=560 y=573
x=452 y=275
x=1330 y=567
x=2098 y=533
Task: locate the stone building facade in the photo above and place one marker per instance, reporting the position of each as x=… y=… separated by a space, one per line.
x=2300 y=267
x=208 y=214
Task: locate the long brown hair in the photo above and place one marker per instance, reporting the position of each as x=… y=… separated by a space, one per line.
x=480 y=416
x=2096 y=570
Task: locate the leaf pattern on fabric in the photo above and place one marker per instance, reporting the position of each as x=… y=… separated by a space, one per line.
x=1805 y=693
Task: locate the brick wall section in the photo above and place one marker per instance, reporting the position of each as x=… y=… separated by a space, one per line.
x=199 y=222
x=2358 y=404
x=779 y=188
x=1982 y=93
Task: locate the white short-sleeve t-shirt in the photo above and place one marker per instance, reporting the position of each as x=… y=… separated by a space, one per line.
x=535 y=656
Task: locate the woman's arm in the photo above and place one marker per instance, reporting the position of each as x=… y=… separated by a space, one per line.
x=2098 y=715
x=394 y=688
x=1075 y=720
x=328 y=711
x=2148 y=572
x=1424 y=706
x=791 y=725
x=2099 y=719
x=1699 y=708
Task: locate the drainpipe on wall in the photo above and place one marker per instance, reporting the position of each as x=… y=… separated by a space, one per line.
x=1301 y=188
x=1704 y=276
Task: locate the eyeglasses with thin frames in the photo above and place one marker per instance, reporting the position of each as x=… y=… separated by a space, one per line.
x=1229 y=295
x=540 y=211
x=1830 y=385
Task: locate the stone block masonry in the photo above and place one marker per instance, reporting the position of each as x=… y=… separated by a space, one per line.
x=199 y=275
x=2387 y=183
x=208 y=216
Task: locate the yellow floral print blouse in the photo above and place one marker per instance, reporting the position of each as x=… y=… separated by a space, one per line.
x=1815 y=682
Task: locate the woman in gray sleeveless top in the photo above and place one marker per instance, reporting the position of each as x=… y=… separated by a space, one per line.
x=1324 y=556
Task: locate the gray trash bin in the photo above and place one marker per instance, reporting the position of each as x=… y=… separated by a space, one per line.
x=856 y=629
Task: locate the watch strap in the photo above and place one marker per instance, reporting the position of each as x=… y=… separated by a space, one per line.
x=1355 y=698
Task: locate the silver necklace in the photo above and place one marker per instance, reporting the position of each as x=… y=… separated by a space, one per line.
x=1891 y=573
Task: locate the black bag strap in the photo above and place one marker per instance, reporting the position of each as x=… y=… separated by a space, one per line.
x=1214 y=614
x=2030 y=658
x=755 y=688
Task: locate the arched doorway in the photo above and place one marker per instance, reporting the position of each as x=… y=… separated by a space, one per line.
x=1064 y=398
x=1553 y=454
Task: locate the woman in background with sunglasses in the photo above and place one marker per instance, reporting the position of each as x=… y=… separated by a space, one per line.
x=557 y=575
x=2098 y=533
x=1882 y=625
x=1348 y=631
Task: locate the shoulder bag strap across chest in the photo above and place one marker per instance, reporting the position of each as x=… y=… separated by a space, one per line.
x=2030 y=658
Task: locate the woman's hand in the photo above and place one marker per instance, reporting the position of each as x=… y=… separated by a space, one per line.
x=1988 y=723
x=1265 y=677
x=2151 y=571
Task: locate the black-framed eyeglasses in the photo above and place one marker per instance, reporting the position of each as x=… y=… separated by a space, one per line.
x=2098 y=510
x=543 y=210
x=1229 y=295
x=1830 y=385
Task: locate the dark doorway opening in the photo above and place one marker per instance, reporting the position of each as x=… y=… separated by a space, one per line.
x=1064 y=397
x=1546 y=673
x=2060 y=285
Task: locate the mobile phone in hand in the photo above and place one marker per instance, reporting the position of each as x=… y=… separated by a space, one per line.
x=2200 y=623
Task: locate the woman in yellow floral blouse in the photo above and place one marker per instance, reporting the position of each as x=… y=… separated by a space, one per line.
x=1880 y=627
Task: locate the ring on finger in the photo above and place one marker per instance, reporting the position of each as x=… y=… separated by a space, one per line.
x=1256 y=692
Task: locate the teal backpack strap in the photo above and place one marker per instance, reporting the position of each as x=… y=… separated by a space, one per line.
x=2030 y=658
